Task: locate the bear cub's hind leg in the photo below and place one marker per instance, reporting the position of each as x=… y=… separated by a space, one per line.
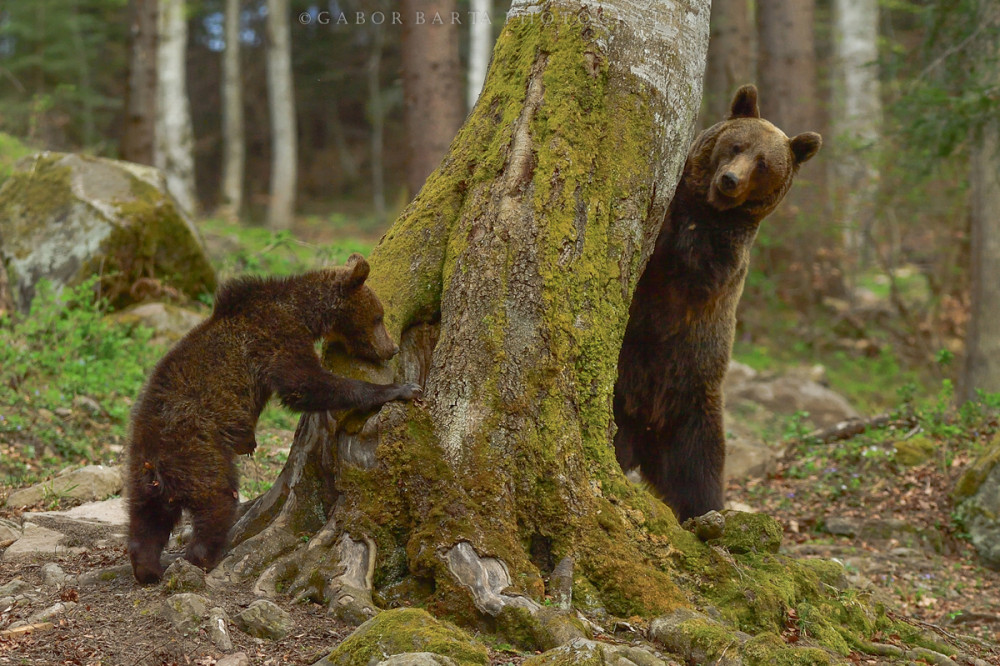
x=150 y=522
x=211 y=521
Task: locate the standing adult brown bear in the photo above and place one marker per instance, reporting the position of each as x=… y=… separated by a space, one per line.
x=668 y=397
x=201 y=403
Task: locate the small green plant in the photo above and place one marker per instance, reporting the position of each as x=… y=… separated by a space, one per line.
x=52 y=498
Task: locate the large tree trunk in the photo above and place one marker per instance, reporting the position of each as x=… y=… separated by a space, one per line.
x=174 y=135
x=856 y=122
x=507 y=282
x=233 y=149
x=982 y=344
x=432 y=85
x=730 y=56
x=137 y=143
x=281 y=102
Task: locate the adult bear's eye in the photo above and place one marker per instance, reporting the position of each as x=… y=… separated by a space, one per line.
x=761 y=164
x=737 y=149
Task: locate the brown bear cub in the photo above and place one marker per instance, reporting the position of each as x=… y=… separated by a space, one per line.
x=201 y=403
x=679 y=336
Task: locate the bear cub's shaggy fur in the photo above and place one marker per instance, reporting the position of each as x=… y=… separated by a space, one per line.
x=679 y=337
x=200 y=405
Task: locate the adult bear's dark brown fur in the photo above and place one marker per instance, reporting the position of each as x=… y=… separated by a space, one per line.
x=668 y=398
x=201 y=403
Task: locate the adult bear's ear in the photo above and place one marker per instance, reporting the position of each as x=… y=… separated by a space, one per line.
x=359 y=270
x=745 y=103
x=805 y=145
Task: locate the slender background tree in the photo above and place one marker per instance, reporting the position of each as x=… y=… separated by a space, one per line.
x=856 y=123
x=233 y=150
x=140 y=94
x=174 y=136
x=433 y=108
x=281 y=104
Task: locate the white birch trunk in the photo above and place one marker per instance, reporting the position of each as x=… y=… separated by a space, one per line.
x=480 y=46
x=174 y=153
x=233 y=150
x=281 y=101
x=856 y=120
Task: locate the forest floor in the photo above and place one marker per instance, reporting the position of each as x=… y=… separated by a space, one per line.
x=905 y=550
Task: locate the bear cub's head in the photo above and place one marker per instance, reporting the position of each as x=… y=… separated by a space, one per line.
x=750 y=161
x=357 y=322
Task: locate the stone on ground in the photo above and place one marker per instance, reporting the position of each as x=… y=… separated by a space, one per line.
x=264 y=619
x=93 y=482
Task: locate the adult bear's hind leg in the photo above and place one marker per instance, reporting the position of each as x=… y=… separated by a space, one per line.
x=690 y=458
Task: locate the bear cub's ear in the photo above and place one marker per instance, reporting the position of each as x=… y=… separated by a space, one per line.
x=359 y=270
x=745 y=103
x=805 y=145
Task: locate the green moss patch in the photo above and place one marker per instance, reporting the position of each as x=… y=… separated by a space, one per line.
x=406 y=630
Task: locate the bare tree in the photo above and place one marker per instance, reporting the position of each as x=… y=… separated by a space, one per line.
x=137 y=143
x=281 y=102
x=730 y=56
x=856 y=121
x=233 y=148
x=790 y=98
x=480 y=47
x=982 y=362
x=174 y=136
x=432 y=89
x=376 y=114
x=787 y=64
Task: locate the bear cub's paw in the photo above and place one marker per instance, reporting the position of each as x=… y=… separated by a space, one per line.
x=409 y=392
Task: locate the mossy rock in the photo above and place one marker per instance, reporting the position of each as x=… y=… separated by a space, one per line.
x=978 y=497
x=66 y=217
x=405 y=630
x=973 y=477
x=751 y=533
x=915 y=451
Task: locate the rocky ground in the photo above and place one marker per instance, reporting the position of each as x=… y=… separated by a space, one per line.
x=64 y=574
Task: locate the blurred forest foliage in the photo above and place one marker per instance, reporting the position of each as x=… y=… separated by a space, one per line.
x=888 y=281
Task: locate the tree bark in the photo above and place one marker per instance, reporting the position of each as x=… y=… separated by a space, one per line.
x=174 y=135
x=507 y=282
x=982 y=344
x=432 y=89
x=797 y=230
x=137 y=143
x=233 y=148
x=856 y=122
x=730 y=56
x=480 y=47
x=281 y=102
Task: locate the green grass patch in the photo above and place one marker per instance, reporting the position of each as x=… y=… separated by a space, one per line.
x=68 y=375
x=238 y=249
